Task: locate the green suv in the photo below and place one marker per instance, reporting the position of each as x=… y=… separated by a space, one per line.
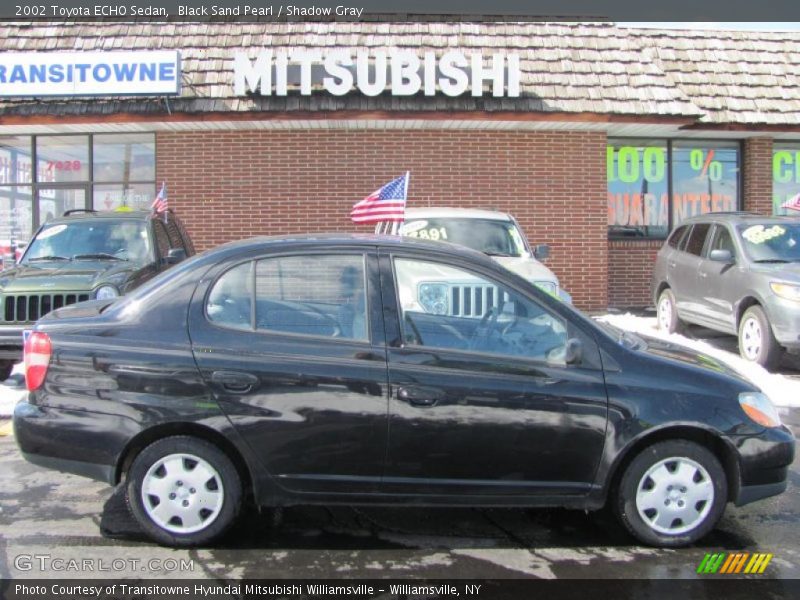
x=84 y=255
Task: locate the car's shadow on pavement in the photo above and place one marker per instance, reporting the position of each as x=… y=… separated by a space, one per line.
x=386 y=528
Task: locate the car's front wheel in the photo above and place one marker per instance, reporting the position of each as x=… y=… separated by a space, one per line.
x=672 y=494
x=666 y=312
x=183 y=491
x=757 y=343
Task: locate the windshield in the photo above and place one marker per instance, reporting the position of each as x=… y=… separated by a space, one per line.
x=771 y=242
x=91 y=240
x=495 y=238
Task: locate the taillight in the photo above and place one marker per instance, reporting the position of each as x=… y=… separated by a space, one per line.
x=38 y=350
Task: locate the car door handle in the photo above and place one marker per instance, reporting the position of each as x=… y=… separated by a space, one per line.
x=234 y=381
x=419 y=396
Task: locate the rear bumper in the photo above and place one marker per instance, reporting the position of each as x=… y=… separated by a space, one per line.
x=57 y=439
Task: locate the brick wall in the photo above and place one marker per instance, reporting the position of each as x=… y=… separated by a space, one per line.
x=235 y=184
x=630 y=266
x=757 y=161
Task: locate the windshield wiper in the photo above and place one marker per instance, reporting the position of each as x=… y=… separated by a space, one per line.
x=501 y=254
x=48 y=258
x=99 y=255
x=772 y=260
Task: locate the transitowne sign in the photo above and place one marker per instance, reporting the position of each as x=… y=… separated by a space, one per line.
x=150 y=73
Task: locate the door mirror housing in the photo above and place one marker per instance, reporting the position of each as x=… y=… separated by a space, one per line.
x=541 y=252
x=175 y=255
x=723 y=256
x=573 y=354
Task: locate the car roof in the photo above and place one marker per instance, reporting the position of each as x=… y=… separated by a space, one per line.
x=739 y=218
x=139 y=215
x=349 y=240
x=442 y=212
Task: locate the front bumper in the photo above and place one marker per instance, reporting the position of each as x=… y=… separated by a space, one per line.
x=11 y=341
x=57 y=439
x=764 y=462
x=784 y=316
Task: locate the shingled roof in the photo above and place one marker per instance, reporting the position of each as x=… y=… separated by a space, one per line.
x=741 y=77
x=566 y=68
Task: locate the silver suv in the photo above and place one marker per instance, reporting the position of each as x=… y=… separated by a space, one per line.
x=737 y=273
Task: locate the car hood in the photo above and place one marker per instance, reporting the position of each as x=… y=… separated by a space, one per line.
x=687 y=356
x=783 y=271
x=54 y=276
x=527 y=268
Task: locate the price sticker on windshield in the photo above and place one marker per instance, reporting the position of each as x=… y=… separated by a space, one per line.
x=420 y=229
x=758 y=234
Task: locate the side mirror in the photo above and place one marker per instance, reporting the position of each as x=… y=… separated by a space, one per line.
x=175 y=255
x=723 y=256
x=573 y=354
x=541 y=251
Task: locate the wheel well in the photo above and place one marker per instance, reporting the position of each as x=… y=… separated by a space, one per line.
x=147 y=437
x=661 y=287
x=711 y=442
x=743 y=306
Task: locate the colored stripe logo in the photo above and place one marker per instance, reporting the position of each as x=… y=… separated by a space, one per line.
x=734 y=563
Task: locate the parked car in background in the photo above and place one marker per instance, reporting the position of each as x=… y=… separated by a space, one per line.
x=80 y=256
x=232 y=377
x=494 y=233
x=737 y=273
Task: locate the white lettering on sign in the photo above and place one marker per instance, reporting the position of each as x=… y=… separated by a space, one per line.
x=338 y=72
x=90 y=73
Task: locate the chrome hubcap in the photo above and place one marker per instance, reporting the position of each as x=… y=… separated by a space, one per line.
x=182 y=493
x=664 y=313
x=751 y=338
x=675 y=495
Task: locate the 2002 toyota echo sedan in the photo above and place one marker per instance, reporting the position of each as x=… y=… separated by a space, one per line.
x=317 y=370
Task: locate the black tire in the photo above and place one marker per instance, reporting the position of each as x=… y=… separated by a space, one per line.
x=769 y=352
x=225 y=482
x=667 y=313
x=707 y=512
x=5 y=369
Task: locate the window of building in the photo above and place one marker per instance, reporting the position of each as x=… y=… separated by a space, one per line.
x=653 y=185
x=785 y=176
x=94 y=171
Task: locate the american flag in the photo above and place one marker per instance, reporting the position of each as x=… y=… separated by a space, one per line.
x=385 y=204
x=792 y=203
x=160 y=203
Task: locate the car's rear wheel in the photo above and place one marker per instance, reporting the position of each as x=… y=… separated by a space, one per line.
x=757 y=343
x=672 y=494
x=5 y=369
x=667 y=313
x=183 y=491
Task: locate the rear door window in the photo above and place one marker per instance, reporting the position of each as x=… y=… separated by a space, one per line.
x=697 y=239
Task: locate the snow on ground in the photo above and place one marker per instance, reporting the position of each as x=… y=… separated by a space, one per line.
x=11 y=391
x=782 y=390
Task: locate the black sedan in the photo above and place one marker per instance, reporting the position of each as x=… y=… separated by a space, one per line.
x=385 y=370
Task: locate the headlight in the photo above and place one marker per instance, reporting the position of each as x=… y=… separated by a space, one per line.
x=785 y=290
x=106 y=291
x=759 y=408
x=433 y=298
